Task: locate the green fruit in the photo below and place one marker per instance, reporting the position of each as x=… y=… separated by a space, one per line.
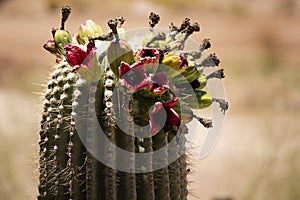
x=117 y=52
x=61 y=38
x=89 y=29
x=189 y=75
x=204 y=100
x=203 y=81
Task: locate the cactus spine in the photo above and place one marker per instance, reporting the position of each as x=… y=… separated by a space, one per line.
x=84 y=82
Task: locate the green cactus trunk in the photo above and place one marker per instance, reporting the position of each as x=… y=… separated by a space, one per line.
x=97 y=106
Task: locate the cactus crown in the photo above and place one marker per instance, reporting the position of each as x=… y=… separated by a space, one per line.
x=115 y=111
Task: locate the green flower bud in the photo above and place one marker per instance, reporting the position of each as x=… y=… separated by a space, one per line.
x=191 y=74
x=61 y=38
x=202 y=80
x=89 y=29
x=204 y=100
x=173 y=64
x=117 y=52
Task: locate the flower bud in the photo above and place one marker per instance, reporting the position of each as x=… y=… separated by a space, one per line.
x=89 y=29
x=204 y=100
x=117 y=52
x=176 y=64
x=61 y=38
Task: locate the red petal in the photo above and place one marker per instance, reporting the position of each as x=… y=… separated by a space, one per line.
x=133 y=76
x=155 y=118
x=50 y=46
x=75 y=54
x=184 y=61
x=159 y=78
x=124 y=67
x=173 y=117
x=149 y=55
x=171 y=103
x=159 y=90
x=90 y=47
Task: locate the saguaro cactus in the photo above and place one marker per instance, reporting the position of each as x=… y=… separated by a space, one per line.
x=108 y=95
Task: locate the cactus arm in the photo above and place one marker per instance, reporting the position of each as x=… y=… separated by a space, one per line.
x=54 y=132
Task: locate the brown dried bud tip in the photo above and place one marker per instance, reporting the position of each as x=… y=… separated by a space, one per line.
x=172 y=27
x=113 y=24
x=120 y=20
x=162 y=52
x=211 y=61
x=205 y=44
x=191 y=29
x=186 y=23
x=215 y=59
x=196 y=27
x=217 y=74
x=154 y=19
x=65 y=12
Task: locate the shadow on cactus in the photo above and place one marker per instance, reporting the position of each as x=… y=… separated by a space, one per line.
x=116 y=109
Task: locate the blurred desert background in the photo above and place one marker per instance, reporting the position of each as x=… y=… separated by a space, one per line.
x=258 y=42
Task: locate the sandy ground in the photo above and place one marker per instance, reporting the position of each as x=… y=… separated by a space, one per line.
x=256 y=156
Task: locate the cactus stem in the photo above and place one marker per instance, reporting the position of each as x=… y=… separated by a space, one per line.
x=113 y=25
x=211 y=61
x=120 y=21
x=190 y=29
x=222 y=103
x=205 y=44
x=207 y=123
x=197 y=54
x=219 y=74
x=107 y=37
x=160 y=36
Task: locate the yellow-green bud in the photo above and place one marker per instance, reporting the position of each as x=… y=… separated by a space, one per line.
x=117 y=52
x=204 y=100
x=202 y=80
x=61 y=38
x=89 y=29
x=190 y=74
x=173 y=64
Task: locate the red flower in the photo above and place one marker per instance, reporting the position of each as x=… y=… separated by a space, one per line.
x=133 y=76
x=77 y=56
x=159 y=111
x=158 y=83
x=150 y=58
